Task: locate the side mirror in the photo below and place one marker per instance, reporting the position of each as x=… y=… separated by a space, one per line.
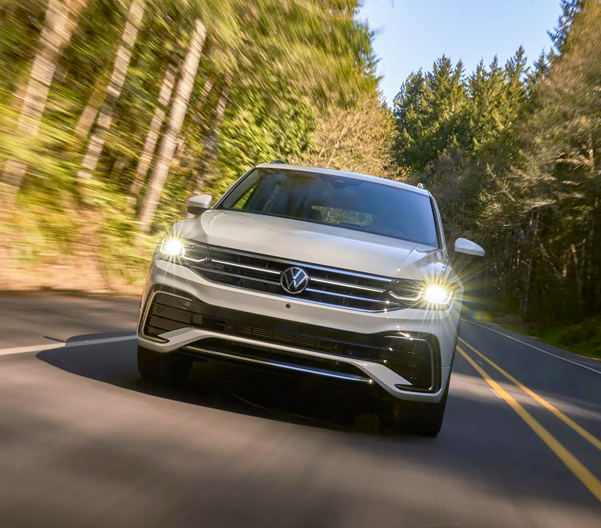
x=467 y=247
x=199 y=204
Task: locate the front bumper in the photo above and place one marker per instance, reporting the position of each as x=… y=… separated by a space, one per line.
x=275 y=330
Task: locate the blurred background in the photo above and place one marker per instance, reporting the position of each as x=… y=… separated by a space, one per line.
x=113 y=112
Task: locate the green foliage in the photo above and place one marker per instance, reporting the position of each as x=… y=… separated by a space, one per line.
x=289 y=63
x=583 y=338
x=20 y=24
x=430 y=113
x=561 y=35
x=252 y=133
x=513 y=157
x=357 y=137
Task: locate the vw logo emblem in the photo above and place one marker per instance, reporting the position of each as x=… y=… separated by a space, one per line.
x=294 y=280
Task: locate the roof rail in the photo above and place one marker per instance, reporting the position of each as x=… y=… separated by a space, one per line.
x=278 y=162
x=420 y=185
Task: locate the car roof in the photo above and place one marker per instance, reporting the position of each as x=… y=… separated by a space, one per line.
x=345 y=174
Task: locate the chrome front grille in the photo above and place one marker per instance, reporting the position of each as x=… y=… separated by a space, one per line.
x=329 y=286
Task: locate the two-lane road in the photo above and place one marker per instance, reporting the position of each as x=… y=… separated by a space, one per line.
x=85 y=442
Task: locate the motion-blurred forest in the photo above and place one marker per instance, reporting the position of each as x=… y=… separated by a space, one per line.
x=113 y=112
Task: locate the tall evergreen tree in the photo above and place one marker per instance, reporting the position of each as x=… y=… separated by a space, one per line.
x=560 y=36
x=429 y=111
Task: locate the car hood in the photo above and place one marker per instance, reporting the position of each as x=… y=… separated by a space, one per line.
x=314 y=244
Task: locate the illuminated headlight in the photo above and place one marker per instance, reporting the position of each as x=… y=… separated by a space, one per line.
x=437 y=294
x=172 y=248
x=421 y=295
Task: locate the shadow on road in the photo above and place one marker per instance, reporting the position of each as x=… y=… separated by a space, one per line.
x=303 y=400
x=483 y=446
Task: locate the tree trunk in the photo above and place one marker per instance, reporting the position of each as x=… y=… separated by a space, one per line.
x=118 y=168
x=202 y=101
x=105 y=118
x=179 y=152
x=211 y=141
x=90 y=112
x=56 y=34
x=169 y=142
x=152 y=136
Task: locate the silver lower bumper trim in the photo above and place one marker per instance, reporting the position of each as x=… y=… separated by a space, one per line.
x=283 y=365
x=183 y=337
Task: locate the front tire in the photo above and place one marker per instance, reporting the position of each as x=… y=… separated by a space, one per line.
x=166 y=368
x=423 y=419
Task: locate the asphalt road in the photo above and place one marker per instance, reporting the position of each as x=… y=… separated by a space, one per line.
x=85 y=442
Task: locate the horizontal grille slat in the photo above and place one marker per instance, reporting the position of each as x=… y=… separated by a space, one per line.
x=246 y=277
x=329 y=286
x=354 y=298
x=246 y=267
x=347 y=285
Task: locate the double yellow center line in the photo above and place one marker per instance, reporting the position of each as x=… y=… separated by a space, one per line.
x=585 y=476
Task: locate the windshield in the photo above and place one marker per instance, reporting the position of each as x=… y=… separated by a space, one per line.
x=338 y=201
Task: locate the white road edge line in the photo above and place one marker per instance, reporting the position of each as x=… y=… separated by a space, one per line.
x=71 y=344
x=536 y=348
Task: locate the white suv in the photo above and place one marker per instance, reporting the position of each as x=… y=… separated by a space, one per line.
x=315 y=272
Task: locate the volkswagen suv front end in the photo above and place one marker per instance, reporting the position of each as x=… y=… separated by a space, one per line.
x=315 y=272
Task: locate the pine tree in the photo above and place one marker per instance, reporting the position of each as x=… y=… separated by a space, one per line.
x=429 y=111
x=560 y=36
